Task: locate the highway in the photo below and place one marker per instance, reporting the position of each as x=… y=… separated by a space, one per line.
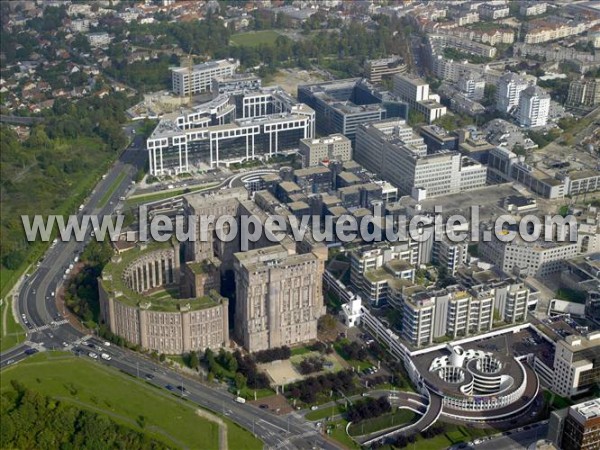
x=49 y=330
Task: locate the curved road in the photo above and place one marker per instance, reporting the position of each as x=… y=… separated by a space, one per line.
x=50 y=330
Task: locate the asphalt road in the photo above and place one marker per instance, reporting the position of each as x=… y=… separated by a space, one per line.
x=48 y=329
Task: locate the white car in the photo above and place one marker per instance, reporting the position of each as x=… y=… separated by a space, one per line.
x=92 y=355
x=106 y=356
x=106 y=344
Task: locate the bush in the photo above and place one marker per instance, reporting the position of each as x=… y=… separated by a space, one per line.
x=311 y=365
x=273 y=354
x=368 y=408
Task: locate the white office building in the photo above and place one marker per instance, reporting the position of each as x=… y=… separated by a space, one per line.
x=534 y=107
x=392 y=149
x=199 y=78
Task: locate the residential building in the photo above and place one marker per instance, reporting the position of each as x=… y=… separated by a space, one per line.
x=377 y=69
x=544 y=30
x=509 y=88
x=536 y=8
x=342 y=105
x=100 y=40
x=137 y=303
x=576 y=364
x=472 y=87
x=334 y=147
x=279 y=297
x=465 y=45
x=199 y=78
x=493 y=10
x=584 y=93
x=534 y=107
x=415 y=92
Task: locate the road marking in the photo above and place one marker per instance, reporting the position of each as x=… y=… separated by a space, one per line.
x=52 y=325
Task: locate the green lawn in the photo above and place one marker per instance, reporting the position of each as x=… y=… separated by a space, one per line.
x=325 y=412
x=14 y=333
x=140 y=199
x=401 y=416
x=111 y=190
x=91 y=385
x=338 y=432
x=255 y=38
x=300 y=351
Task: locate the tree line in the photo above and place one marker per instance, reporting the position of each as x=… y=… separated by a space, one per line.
x=32 y=420
x=308 y=389
x=368 y=408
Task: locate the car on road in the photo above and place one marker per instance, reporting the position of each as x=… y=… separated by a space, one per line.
x=31 y=351
x=240 y=400
x=91 y=345
x=106 y=344
x=93 y=355
x=170 y=387
x=106 y=356
x=64 y=344
x=263 y=406
x=149 y=376
x=9 y=362
x=314 y=408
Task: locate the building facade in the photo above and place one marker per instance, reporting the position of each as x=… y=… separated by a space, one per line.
x=334 y=147
x=279 y=297
x=534 y=107
x=576 y=364
x=199 y=79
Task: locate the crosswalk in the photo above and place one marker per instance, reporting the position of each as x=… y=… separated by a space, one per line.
x=51 y=325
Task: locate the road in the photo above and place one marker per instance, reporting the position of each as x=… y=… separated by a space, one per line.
x=48 y=329
x=517 y=440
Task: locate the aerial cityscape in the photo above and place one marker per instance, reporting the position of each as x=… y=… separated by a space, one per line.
x=300 y=224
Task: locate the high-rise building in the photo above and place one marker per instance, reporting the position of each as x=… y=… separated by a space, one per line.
x=584 y=93
x=576 y=428
x=534 y=107
x=472 y=87
x=334 y=147
x=509 y=88
x=199 y=78
x=576 y=364
x=279 y=297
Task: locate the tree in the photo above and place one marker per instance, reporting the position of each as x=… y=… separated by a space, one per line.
x=240 y=381
x=194 y=362
x=327 y=323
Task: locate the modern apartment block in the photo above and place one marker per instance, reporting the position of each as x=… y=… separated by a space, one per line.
x=472 y=87
x=536 y=8
x=342 y=105
x=334 y=147
x=509 y=88
x=493 y=10
x=229 y=128
x=279 y=297
x=576 y=364
x=415 y=91
x=464 y=45
x=534 y=107
x=465 y=309
x=377 y=69
x=391 y=149
x=585 y=93
x=199 y=79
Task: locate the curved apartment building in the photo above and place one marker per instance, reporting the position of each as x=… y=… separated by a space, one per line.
x=146 y=298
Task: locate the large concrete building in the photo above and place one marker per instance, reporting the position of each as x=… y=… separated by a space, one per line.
x=416 y=93
x=334 y=147
x=342 y=105
x=140 y=300
x=576 y=364
x=534 y=107
x=391 y=149
x=577 y=427
x=279 y=297
x=377 y=69
x=199 y=78
x=584 y=93
x=232 y=127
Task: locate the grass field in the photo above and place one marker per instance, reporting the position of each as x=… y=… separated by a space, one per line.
x=14 y=332
x=111 y=190
x=325 y=412
x=255 y=38
x=401 y=416
x=140 y=199
x=93 y=386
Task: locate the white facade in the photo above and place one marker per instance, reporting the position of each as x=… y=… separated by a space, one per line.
x=534 y=107
x=509 y=88
x=573 y=357
x=201 y=76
